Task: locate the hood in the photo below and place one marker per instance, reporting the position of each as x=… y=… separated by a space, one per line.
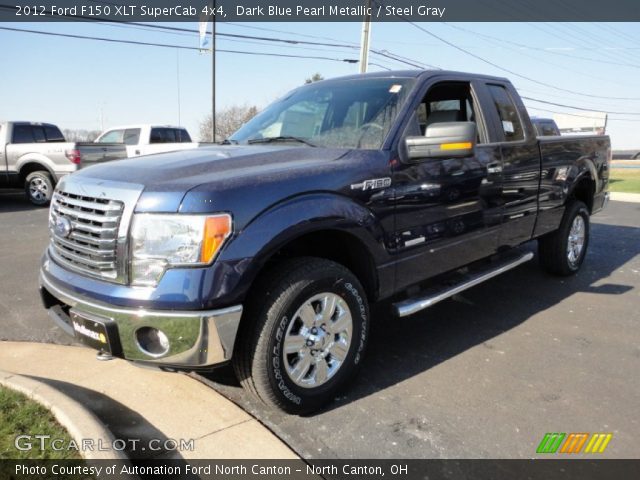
x=185 y=169
x=219 y=172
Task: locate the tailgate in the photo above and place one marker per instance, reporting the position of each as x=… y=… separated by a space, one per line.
x=92 y=153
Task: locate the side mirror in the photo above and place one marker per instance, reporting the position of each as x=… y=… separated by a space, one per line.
x=446 y=139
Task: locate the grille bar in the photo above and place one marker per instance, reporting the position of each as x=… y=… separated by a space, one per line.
x=89 y=243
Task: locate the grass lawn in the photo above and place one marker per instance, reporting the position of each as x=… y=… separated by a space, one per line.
x=625 y=180
x=21 y=416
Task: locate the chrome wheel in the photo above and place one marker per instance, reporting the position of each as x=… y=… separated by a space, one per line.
x=575 y=244
x=38 y=189
x=317 y=340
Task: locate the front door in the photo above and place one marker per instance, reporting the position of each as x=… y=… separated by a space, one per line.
x=448 y=210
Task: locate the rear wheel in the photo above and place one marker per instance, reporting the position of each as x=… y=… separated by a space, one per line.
x=38 y=187
x=303 y=335
x=563 y=251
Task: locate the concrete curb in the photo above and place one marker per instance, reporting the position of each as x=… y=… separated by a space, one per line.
x=75 y=418
x=625 y=197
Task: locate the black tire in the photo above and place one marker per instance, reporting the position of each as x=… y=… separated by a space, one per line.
x=38 y=186
x=259 y=360
x=553 y=248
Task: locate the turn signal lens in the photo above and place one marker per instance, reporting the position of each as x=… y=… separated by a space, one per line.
x=216 y=231
x=456 y=146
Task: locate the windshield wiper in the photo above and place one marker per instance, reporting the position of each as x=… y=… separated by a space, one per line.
x=227 y=141
x=283 y=138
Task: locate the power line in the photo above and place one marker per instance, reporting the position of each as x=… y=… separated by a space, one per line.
x=384 y=53
x=611 y=119
x=529 y=47
x=495 y=65
x=182 y=47
x=574 y=107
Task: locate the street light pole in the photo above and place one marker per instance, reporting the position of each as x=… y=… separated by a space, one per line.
x=366 y=37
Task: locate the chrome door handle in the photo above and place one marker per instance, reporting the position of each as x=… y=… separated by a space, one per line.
x=494 y=168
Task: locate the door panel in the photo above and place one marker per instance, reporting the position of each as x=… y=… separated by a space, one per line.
x=447 y=210
x=520 y=164
x=521 y=173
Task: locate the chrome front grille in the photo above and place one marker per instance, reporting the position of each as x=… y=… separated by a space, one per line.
x=84 y=234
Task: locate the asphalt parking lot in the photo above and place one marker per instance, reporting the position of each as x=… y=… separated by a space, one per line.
x=484 y=375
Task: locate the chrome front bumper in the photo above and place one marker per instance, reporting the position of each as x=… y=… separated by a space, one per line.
x=197 y=338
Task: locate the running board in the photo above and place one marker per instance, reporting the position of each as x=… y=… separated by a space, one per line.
x=437 y=294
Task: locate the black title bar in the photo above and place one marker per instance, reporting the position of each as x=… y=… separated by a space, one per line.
x=322 y=10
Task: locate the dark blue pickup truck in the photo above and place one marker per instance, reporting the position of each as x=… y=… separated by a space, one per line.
x=267 y=251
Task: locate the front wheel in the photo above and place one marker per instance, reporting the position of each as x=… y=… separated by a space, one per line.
x=304 y=336
x=38 y=187
x=562 y=252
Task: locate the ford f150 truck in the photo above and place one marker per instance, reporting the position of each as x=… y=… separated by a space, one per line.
x=149 y=139
x=267 y=251
x=35 y=156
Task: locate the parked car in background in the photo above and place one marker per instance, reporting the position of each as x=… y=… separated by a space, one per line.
x=148 y=139
x=36 y=155
x=626 y=154
x=545 y=127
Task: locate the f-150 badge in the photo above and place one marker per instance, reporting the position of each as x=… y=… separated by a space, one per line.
x=372 y=184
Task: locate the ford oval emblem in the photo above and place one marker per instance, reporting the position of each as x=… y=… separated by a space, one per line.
x=62 y=227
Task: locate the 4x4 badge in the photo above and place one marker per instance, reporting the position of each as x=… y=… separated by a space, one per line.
x=372 y=184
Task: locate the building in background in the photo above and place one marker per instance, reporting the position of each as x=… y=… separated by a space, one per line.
x=587 y=123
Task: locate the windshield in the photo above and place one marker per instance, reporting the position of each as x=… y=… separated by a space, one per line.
x=355 y=113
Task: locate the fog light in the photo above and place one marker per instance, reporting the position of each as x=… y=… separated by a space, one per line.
x=152 y=341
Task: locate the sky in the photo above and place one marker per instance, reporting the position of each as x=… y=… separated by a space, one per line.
x=86 y=84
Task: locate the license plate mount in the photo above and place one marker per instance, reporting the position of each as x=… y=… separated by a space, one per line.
x=99 y=333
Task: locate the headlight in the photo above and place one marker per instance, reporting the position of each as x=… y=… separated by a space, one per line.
x=162 y=241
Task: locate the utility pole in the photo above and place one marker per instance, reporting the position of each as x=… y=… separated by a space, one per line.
x=178 y=82
x=213 y=72
x=366 y=37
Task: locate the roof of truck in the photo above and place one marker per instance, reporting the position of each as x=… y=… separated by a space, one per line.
x=142 y=125
x=418 y=73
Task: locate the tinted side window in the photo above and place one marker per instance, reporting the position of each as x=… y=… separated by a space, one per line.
x=508 y=113
x=131 y=136
x=38 y=134
x=549 y=129
x=183 y=136
x=163 y=135
x=53 y=134
x=22 y=134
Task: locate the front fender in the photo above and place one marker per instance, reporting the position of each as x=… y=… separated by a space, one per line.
x=250 y=249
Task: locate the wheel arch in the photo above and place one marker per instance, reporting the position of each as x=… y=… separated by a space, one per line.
x=583 y=189
x=32 y=165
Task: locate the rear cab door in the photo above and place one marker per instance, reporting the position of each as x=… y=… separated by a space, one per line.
x=513 y=133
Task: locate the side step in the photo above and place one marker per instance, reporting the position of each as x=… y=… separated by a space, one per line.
x=436 y=294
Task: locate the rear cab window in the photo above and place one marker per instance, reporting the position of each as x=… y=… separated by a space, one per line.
x=509 y=118
x=163 y=135
x=53 y=134
x=183 y=136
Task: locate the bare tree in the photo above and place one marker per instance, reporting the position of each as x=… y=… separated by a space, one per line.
x=72 y=135
x=227 y=122
x=316 y=77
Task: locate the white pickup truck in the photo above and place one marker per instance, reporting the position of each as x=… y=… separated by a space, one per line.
x=36 y=155
x=149 y=139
